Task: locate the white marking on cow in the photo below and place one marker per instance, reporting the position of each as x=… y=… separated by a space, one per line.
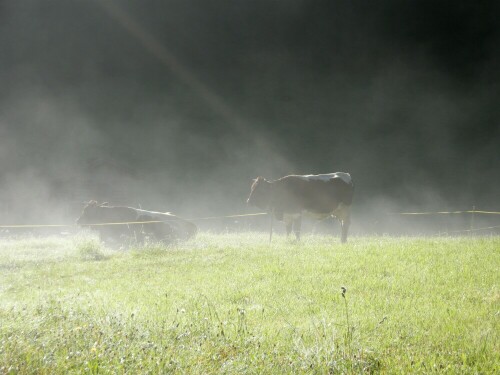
x=342 y=211
x=346 y=177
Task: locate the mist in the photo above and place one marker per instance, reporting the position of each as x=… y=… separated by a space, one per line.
x=177 y=105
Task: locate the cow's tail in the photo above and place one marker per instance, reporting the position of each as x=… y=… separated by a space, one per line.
x=350 y=193
x=344 y=190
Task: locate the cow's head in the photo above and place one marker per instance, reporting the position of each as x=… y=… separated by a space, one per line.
x=260 y=193
x=91 y=214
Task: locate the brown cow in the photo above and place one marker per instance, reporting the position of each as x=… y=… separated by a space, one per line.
x=167 y=228
x=321 y=196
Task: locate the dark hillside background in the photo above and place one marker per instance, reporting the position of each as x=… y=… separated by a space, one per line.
x=176 y=105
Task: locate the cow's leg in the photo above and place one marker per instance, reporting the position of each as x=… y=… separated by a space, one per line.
x=288 y=220
x=297 y=223
x=139 y=234
x=142 y=230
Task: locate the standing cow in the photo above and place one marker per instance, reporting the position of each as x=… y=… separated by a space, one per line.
x=320 y=195
x=165 y=226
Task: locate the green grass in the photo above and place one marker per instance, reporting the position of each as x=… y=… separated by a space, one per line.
x=235 y=304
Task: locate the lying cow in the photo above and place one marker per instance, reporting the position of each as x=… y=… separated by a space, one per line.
x=165 y=226
x=320 y=195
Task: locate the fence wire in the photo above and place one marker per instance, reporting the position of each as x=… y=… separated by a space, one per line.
x=13 y=226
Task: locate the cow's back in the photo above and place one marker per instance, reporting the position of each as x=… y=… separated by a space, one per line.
x=117 y=214
x=184 y=228
x=318 y=195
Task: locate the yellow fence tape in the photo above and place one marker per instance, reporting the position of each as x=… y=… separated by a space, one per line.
x=227 y=217
x=232 y=216
x=124 y=223
x=446 y=213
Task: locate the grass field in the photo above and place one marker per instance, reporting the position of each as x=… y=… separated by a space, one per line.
x=233 y=303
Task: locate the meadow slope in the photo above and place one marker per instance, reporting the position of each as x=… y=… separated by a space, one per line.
x=233 y=303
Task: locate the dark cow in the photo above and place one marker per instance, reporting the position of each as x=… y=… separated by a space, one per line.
x=169 y=227
x=320 y=196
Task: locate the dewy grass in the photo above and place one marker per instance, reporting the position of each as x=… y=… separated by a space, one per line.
x=234 y=303
x=90 y=250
